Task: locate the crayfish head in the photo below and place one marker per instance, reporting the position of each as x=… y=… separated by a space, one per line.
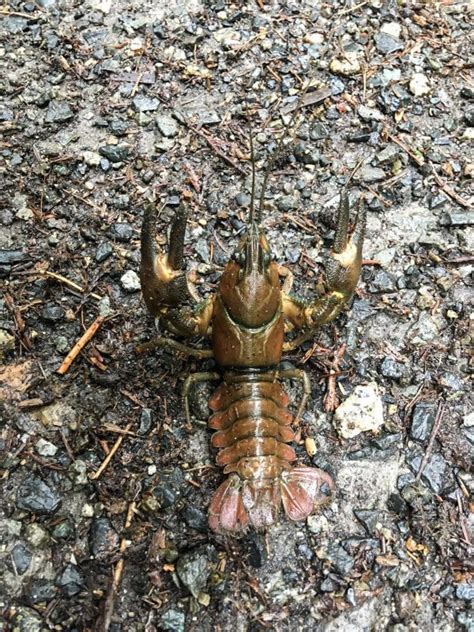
x=250 y=287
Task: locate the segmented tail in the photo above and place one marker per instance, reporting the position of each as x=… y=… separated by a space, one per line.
x=253 y=426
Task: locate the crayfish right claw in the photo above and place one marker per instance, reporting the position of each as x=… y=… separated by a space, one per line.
x=162 y=278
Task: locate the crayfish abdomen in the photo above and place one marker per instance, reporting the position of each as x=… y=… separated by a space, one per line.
x=254 y=429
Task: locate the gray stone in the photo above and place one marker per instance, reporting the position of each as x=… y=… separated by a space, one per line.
x=193 y=570
x=202 y=249
x=369 y=114
x=45 y=448
x=145 y=104
x=465 y=591
x=103 y=252
x=434 y=473
x=58 y=112
x=287 y=203
x=21 y=557
x=10 y=257
x=370 y=174
x=167 y=125
x=422 y=421
x=173 y=620
x=40 y=590
x=389 y=154
x=52 y=313
x=368 y=519
x=36 y=496
x=70 y=581
x=118 y=127
x=458 y=218
x=339 y=558
x=115 y=153
x=146 y=421
x=383 y=282
x=122 y=231
x=392 y=369
x=387 y=44
x=103 y=539
x=195 y=518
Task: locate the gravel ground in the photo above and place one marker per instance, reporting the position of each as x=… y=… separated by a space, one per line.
x=106 y=104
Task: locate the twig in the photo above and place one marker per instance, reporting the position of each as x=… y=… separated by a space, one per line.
x=66 y=281
x=352 y=9
x=17 y=14
x=109 y=427
x=80 y=344
x=84 y=200
x=434 y=432
x=69 y=451
x=331 y=401
x=419 y=161
x=132 y=397
x=104 y=625
x=109 y=456
x=450 y=192
x=19 y=322
x=462 y=521
x=310 y=98
x=212 y=141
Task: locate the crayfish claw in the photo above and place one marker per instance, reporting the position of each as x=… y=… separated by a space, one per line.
x=163 y=281
x=343 y=268
x=342 y=225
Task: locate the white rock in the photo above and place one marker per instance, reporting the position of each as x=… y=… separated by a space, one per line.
x=91 y=158
x=45 y=448
x=468 y=134
x=318 y=524
x=103 y=6
x=227 y=36
x=360 y=412
x=391 y=28
x=87 y=511
x=347 y=66
x=315 y=39
x=419 y=84
x=130 y=281
x=7 y=342
x=469 y=420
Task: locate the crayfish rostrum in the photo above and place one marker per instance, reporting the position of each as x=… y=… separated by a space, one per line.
x=246 y=320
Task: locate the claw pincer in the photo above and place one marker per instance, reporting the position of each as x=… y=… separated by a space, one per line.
x=245 y=321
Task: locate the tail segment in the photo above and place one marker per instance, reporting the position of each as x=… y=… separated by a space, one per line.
x=239 y=503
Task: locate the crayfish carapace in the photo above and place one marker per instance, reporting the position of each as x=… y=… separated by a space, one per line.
x=246 y=320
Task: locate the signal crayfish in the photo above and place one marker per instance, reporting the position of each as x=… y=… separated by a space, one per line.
x=246 y=320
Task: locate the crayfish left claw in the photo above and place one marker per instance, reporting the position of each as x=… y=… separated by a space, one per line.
x=162 y=278
x=343 y=269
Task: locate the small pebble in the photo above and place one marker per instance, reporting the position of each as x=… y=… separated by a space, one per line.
x=130 y=281
x=419 y=84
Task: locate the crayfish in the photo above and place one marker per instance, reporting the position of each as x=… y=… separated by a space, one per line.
x=246 y=320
